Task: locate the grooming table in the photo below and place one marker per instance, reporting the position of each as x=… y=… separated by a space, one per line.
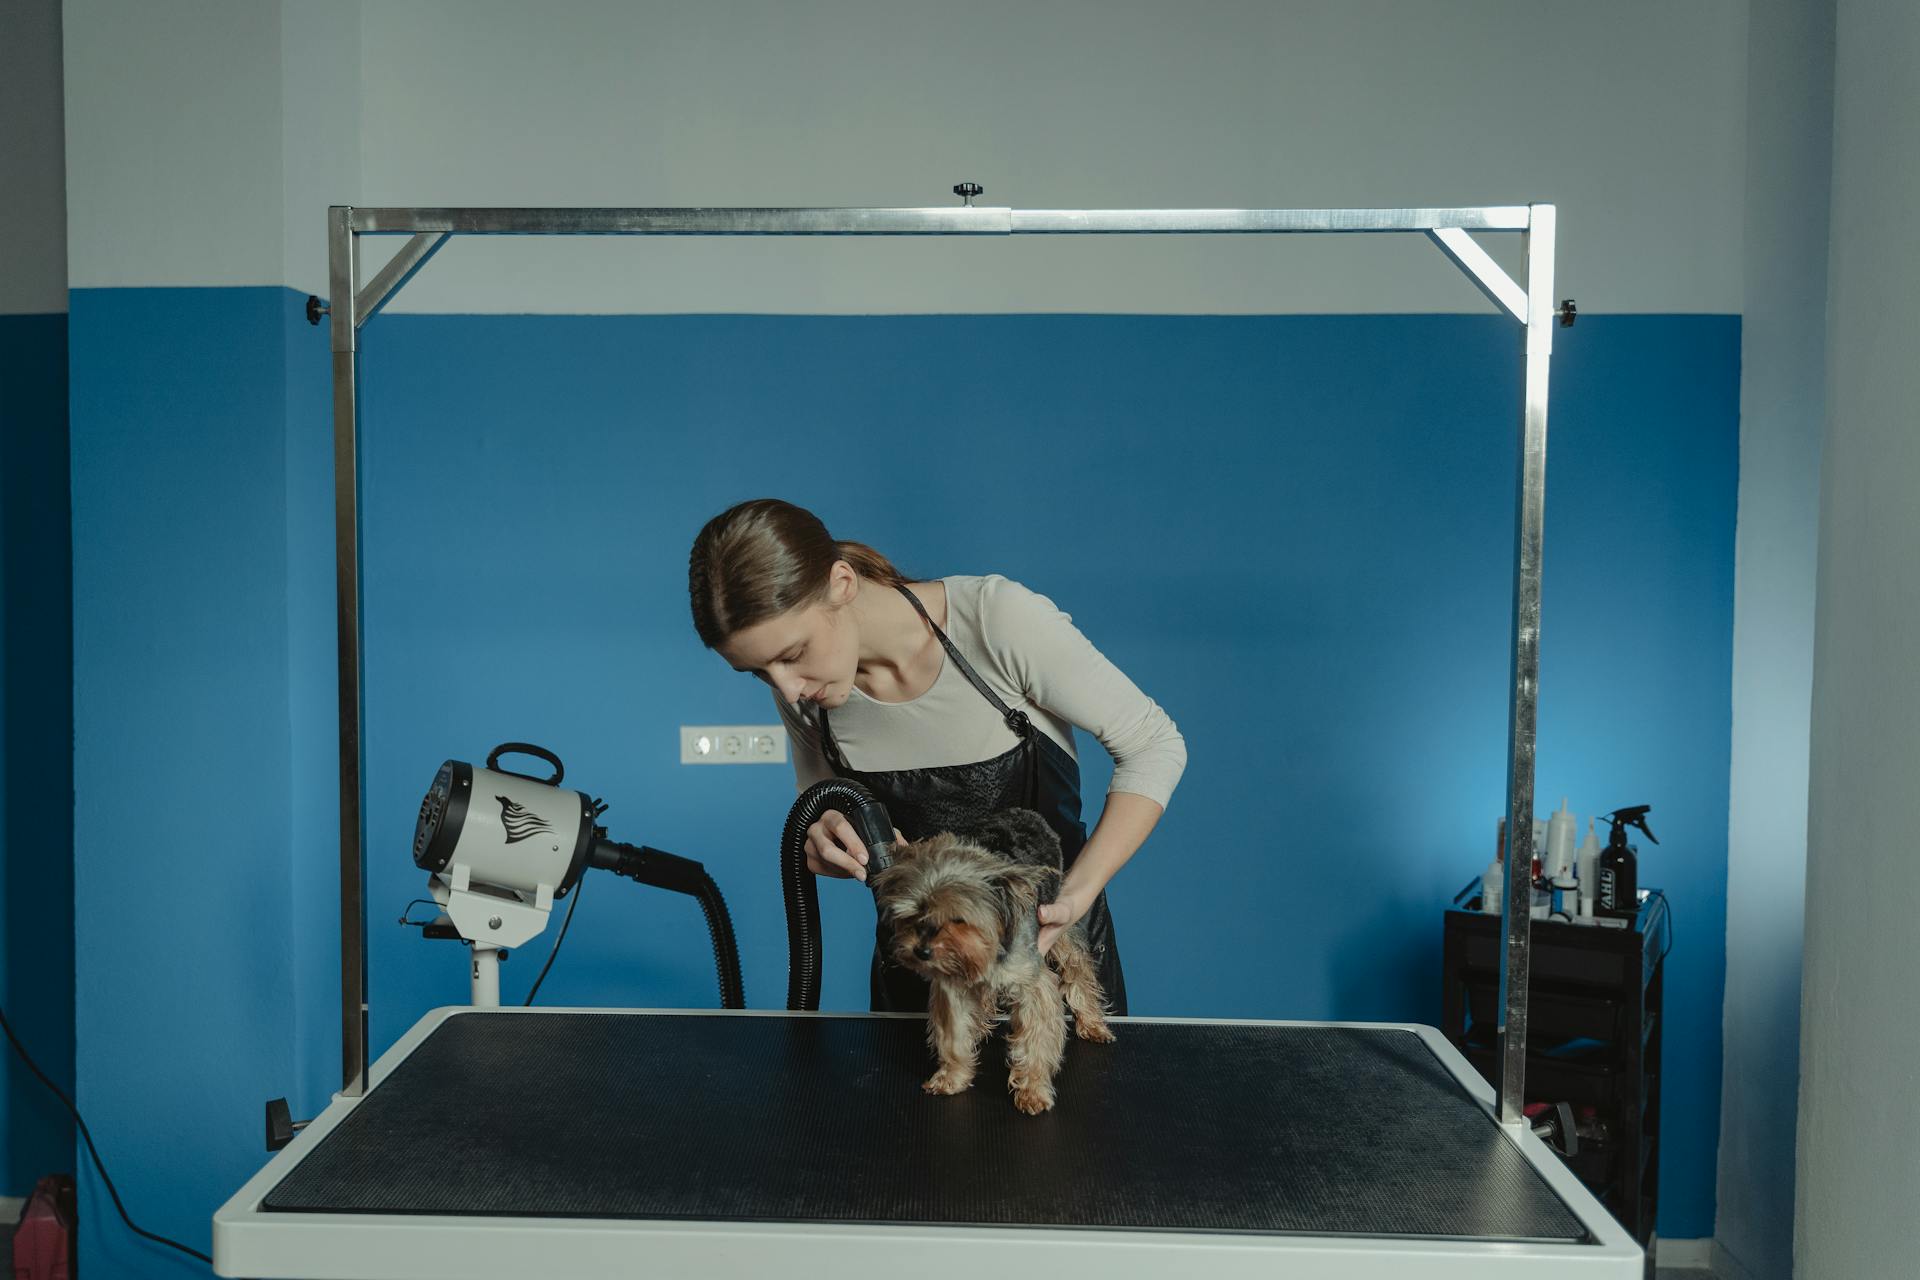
x=601 y=1143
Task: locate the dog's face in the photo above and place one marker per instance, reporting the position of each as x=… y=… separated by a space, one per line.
x=948 y=906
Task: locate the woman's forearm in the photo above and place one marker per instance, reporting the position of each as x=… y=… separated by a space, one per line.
x=1125 y=823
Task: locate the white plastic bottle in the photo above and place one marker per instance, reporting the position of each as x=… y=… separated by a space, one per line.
x=1589 y=859
x=1493 y=887
x=1558 y=863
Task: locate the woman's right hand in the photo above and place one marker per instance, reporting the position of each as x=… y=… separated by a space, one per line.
x=835 y=849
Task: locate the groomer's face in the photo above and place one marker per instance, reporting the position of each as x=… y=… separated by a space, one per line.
x=808 y=654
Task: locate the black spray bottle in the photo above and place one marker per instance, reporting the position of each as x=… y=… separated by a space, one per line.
x=1618 y=893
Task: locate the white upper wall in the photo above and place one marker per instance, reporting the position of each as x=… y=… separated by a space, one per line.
x=320 y=126
x=1627 y=115
x=173 y=142
x=33 y=215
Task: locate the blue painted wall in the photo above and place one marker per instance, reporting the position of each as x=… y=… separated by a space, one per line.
x=185 y=986
x=36 y=747
x=313 y=714
x=1295 y=532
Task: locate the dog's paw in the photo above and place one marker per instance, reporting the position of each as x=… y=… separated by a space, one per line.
x=1089 y=1029
x=1033 y=1099
x=945 y=1081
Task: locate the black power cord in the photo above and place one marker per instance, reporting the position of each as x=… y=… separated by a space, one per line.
x=578 y=885
x=91 y=1150
x=1662 y=895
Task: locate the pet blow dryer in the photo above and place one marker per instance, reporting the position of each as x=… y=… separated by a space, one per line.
x=501 y=847
x=875 y=829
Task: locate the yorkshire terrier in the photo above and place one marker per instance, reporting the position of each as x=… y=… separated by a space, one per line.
x=963 y=912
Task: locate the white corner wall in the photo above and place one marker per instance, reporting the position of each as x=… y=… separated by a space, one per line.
x=173 y=176
x=1782 y=401
x=1859 y=1128
x=319 y=130
x=230 y=127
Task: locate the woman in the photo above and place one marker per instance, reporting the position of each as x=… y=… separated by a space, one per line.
x=949 y=699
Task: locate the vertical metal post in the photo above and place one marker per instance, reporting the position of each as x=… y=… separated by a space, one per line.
x=343 y=282
x=1529 y=523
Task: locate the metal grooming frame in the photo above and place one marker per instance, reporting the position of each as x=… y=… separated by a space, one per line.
x=1531 y=304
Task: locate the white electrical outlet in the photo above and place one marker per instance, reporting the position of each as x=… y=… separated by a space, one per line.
x=733 y=744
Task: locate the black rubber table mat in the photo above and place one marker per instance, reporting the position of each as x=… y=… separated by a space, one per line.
x=1178 y=1127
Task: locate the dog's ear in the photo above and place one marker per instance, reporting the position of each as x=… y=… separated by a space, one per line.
x=1017 y=890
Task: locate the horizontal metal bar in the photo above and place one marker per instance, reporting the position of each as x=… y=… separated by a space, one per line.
x=1254 y=221
x=394 y=276
x=926 y=222
x=959 y=220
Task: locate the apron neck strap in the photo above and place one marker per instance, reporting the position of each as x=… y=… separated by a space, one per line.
x=1017 y=721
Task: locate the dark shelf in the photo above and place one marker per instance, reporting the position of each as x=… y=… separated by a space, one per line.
x=1593 y=1019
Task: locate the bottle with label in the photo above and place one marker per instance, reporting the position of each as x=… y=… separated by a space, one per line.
x=1618 y=894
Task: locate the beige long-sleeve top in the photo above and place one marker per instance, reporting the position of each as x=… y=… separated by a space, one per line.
x=1030 y=653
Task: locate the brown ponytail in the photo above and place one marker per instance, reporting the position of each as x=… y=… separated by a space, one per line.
x=870 y=564
x=759 y=559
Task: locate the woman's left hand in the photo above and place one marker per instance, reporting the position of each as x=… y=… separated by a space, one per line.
x=1061 y=914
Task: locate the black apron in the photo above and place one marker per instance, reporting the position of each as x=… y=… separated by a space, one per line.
x=1036 y=773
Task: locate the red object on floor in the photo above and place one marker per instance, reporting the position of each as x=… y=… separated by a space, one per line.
x=43 y=1242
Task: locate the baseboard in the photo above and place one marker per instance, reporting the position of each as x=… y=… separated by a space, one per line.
x=1688 y=1255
